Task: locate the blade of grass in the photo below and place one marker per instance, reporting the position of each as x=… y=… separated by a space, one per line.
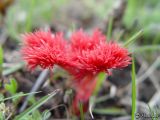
x=1 y=60
x=18 y=95
x=1 y=66
x=40 y=80
x=36 y=105
x=12 y=86
x=12 y=69
x=102 y=98
x=151 y=112
x=133 y=38
x=133 y=90
x=157 y=115
x=101 y=77
x=110 y=111
x=81 y=111
x=109 y=30
x=145 y=48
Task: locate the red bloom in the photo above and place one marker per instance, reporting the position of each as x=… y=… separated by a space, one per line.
x=44 y=49
x=82 y=41
x=92 y=54
x=101 y=58
x=84 y=57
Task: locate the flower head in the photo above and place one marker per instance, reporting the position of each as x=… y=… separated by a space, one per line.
x=92 y=54
x=84 y=57
x=82 y=41
x=102 y=58
x=44 y=49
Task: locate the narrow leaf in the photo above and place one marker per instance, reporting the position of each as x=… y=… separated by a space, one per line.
x=110 y=111
x=13 y=69
x=151 y=112
x=17 y=95
x=133 y=38
x=1 y=59
x=146 y=48
x=109 y=31
x=12 y=86
x=100 y=79
x=36 y=105
x=81 y=111
x=133 y=90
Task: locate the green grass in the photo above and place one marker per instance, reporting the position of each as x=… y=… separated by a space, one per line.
x=109 y=31
x=100 y=79
x=1 y=59
x=12 y=69
x=136 y=17
x=12 y=87
x=151 y=112
x=133 y=38
x=32 y=112
x=146 y=48
x=110 y=111
x=133 y=90
x=81 y=111
x=36 y=105
x=154 y=114
x=17 y=96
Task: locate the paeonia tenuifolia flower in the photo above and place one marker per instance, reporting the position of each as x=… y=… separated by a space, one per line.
x=83 y=56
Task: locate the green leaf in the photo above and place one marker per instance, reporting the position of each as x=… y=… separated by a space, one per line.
x=36 y=105
x=100 y=79
x=36 y=115
x=2 y=116
x=133 y=90
x=17 y=95
x=12 y=87
x=81 y=111
x=102 y=98
x=110 y=111
x=13 y=69
x=32 y=100
x=109 y=31
x=145 y=48
x=133 y=38
x=1 y=59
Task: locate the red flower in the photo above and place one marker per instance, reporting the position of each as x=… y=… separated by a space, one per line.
x=84 y=57
x=44 y=49
x=82 y=41
x=92 y=54
x=101 y=58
